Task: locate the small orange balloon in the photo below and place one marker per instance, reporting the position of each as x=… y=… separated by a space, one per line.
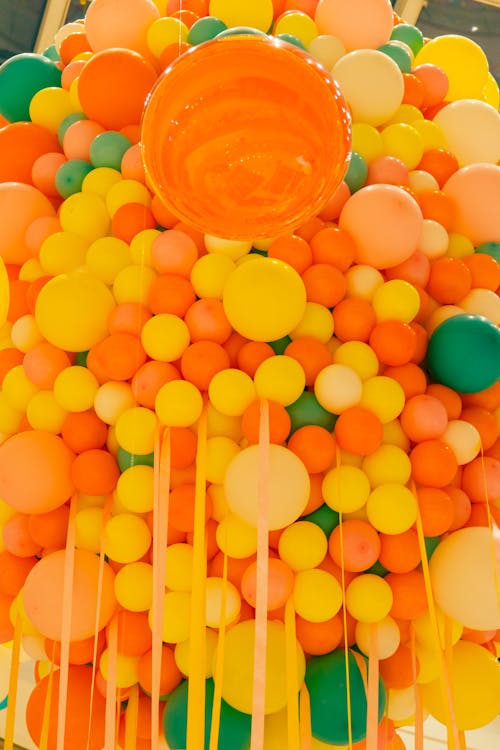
x=245 y=137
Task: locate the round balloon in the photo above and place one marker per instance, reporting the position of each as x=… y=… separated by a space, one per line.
x=463 y=61
x=472 y=131
x=464 y=353
x=21 y=76
x=245 y=137
x=20 y=206
x=473 y=190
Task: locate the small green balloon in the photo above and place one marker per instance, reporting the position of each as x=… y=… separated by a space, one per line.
x=70 y=176
x=398 y=54
x=280 y=345
x=357 y=172
x=234 y=729
x=67 y=122
x=126 y=460
x=291 y=39
x=490 y=248
x=205 y=29
x=431 y=544
x=108 y=148
x=326 y=680
x=21 y=77
x=377 y=569
x=81 y=359
x=52 y=53
x=464 y=353
x=410 y=35
x=324 y=517
x=307 y=410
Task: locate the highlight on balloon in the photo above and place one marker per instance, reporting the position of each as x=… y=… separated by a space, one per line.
x=249 y=379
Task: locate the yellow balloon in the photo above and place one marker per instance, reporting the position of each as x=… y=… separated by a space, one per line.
x=368 y=598
x=287 y=478
x=359 y=356
x=17 y=388
x=463 y=61
x=220 y=452
x=134 y=586
x=62 y=252
x=136 y=429
x=179 y=571
x=264 y=299
x=367 y=141
x=140 y=246
x=217 y=612
x=303 y=545
x=392 y=508
x=176 y=616
x=232 y=249
x=475 y=688
x=88 y=523
x=100 y=180
x=338 y=387
x=231 y=391
x=75 y=388
x=127 y=669
x=384 y=396
x=165 y=337
x=281 y=379
x=132 y=284
x=317 y=322
x=183 y=653
x=396 y=299
x=126 y=538
x=317 y=595
x=58 y=311
x=237 y=678
x=404 y=142
x=49 y=107
x=210 y=273
x=425 y=632
x=165 y=31
x=106 y=257
x=235 y=537
x=44 y=412
x=135 y=489
x=299 y=25
x=491 y=93
x=389 y=463
x=85 y=214
x=178 y=404
x=126 y=191
x=345 y=488
x=258 y=14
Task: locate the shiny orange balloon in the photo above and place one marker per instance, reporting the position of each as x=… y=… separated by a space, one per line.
x=245 y=137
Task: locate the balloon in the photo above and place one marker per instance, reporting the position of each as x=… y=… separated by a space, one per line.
x=280 y=173
x=22 y=144
x=326 y=680
x=58 y=311
x=372 y=84
x=472 y=190
x=368 y=598
x=134 y=586
x=463 y=61
x=21 y=205
x=385 y=223
x=106 y=26
x=43 y=595
x=4 y=293
x=472 y=131
x=264 y=299
x=359 y=24
x=288 y=479
x=463 y=576
x=21 y=77
x=475 y=688
x=317 y=595
x=464 y=353
x=237 y=678
x=234 y=731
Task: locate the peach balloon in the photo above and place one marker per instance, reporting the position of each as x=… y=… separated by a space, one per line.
x=43 y=595
x=20 y=205
x=385 y=223
x=108 y=25
x=359 y=24
x=474 y=191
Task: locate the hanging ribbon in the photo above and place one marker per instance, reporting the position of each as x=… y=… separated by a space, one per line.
x=305 y=719
x=110 y=712
x=13 y=683
x=219 y=664
x=131 y=719
x=292 y=678
x=372 y=692
x=419 y=712
x=44 y=733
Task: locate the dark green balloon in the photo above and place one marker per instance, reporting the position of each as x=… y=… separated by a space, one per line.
x=21 y=77
x=410 y=35
x=324 y=517
x=70 y=176
x=291 y=39
x=464 y=353
x=357 y=172
x=234 y=731
x=307 y=410
x=108 y=148
x=399 y=55
x=431 y=544
x=126 y=460
x=280 y=345
x=490 y=248
x=326 y=682
x=204 y=29
x=377 y=569
x=81 y=359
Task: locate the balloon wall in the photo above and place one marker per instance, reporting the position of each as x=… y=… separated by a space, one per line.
x=250 y=361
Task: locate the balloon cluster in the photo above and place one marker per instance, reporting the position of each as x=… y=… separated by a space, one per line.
x=292 y=263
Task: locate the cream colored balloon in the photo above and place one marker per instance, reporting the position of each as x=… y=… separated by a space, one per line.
x=472 y=131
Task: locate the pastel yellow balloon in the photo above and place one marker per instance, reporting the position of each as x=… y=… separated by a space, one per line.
x=237 y=677
x=363 y=281
x=100 y=180
x=431 y=134
x=58 y=311
x=299 y=25
x=85 y=214
x=392 y=508
x=132 y=284
x=345 y=488
x=231 y=391
x=420 y=181
x=88 y=524
x=281 y=379
x=264 y=299
x=106 y=257
x=25 y=332
x=326 y=49
x=112 y=399
x=176 y=616
x=482 y=302
x=44 y=412
x=287 y=478
x=491 y=92
x=135 y=489
x=17 y=388
x=433 y=240
x=220 y=452
x=126 y=538
x=368 y=598
x=396 y=299
x=303 y=545
x=218 y=611
x=372 y=83
x=178 y=404
x=165 y=337
x=367 y=141
x=338 y=387
x=425 y=632
x=75 y=388
x=62 y=252
x=235 y=537
x=401 y=705
x=317 y=595
x=459 y=246
x=165 y=31
x=136 y=429
x=127 y=669
x=49 y=107
x=463 y=61
x=387 y=636
x=134 y=586
x=389 y=463
x=404 y=142
x=472 y=131
x=179 y=567
x=317 y=322
x=183 y=653
x=384 y=396
x=210 y=273
x=359 y=356
x=126 y=191
x=463 y=439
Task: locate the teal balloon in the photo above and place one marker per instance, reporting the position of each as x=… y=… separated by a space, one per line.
x=107 y=149
x=291 y=39
x=204 y=29
x=52 y=53
x=234 y=730
x=241 y=31
x=464 y=353
x=67 y=122
x=280 y=345
x=357 y=172
x=126 y=460
x=4 y=703
x=324 y=517
x=410 y=35
x=490 y=248
x=327 y=685
x=399 y=55
x=307 y=410
x=70 y=176
x=21 y=77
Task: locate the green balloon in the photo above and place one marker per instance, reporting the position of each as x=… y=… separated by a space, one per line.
x=410 y=35
x=52 y=53
x=235 y=727
x=107 y=149
x=490 y=248
x=70 y=176
x=357 y=172
x=291 y=39
x=327 y=685
x=205 y=29
x=280 y=345
x=377 y=569
x=21 y=77
x=324 y=517
x=431 y=544
x=126 y=460
x=81 y=359
x=399 y=55
x=464 y=353
x=307 y=410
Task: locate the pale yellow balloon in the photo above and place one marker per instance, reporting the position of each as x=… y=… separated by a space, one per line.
x=463 y=439
x=472 y=131
x=482 y=302
x=326 y=49
x=338 y=387
x=223 y=602
x=182 y=653
x=401 y=704
x=386 y=633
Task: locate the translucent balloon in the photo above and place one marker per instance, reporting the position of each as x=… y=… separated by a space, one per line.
x=279 y=174
x=473 y=190
x=357 y=23
x=463 y=61
x=464 y=574
x=472 y=131
x=372 y=84
x=287 y=478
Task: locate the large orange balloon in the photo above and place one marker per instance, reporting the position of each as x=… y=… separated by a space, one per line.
x=245 y=137
x=43 y=595
x=474 y=191
x=21 y=143
x=77 y=714
x=20 y=204
x=35 y=475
